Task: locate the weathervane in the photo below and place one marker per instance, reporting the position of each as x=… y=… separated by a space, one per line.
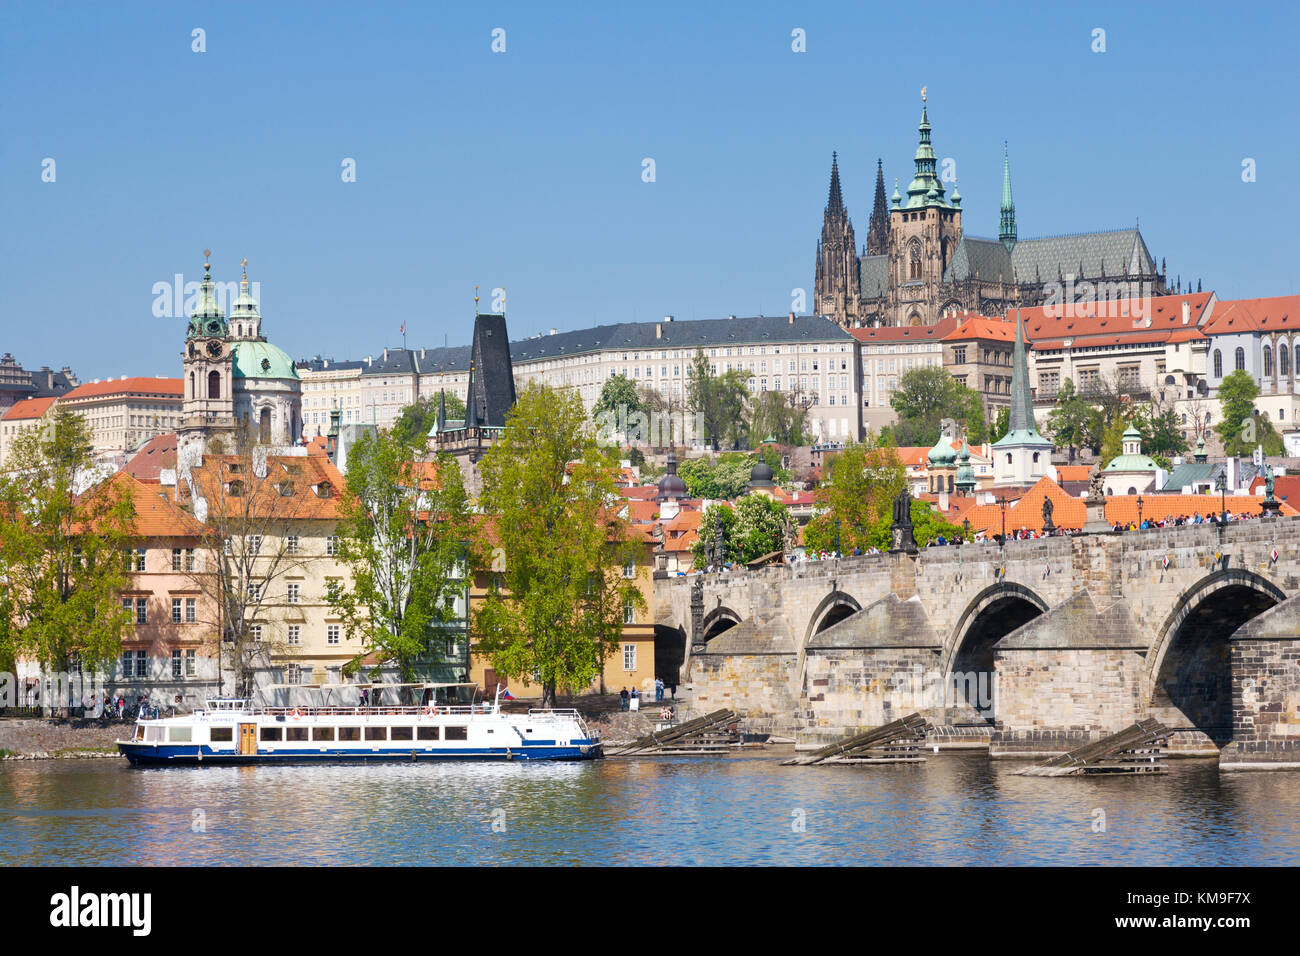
x=923 y=94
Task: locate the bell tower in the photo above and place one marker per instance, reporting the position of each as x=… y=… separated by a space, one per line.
x=208 y=410
x=924 y=229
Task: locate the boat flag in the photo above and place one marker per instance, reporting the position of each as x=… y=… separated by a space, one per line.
x=506 y=695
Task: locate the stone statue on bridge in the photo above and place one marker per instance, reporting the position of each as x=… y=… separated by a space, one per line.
x=902 y=535
x=1048 y=525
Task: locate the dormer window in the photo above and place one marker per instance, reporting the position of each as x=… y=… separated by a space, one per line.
x=324 y=490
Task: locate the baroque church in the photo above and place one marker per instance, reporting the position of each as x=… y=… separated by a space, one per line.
x=234 y=377
x=918 y=264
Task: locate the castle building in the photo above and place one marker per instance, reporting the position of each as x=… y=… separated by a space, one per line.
x=919 y=264
x=233 y=375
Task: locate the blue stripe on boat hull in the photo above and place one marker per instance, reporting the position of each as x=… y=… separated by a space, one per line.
x=152 y=754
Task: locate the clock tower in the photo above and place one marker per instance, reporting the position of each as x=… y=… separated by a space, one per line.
x=208 y=412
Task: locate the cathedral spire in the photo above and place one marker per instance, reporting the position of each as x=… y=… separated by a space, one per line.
x=878 y=228
x=1007 y=218
x=835 y=201
x=926 y=188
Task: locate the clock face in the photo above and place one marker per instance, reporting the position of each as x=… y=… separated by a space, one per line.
x=214 y=349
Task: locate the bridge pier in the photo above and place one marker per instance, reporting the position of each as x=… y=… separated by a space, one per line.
x=1266 y=692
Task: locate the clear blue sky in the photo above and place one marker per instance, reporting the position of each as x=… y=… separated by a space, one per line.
x=523 y=169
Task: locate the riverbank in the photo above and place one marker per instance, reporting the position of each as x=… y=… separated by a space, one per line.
x=48 y=739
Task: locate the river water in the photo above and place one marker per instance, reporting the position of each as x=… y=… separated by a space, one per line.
x=955 y=809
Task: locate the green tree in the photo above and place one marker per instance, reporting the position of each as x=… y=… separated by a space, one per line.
x=1240 y=427
x=557 y=606
x=859 y=487
x=1068 y=421
x=619 y=409
x=1001 y=424
x=415 y=421
x=756 y=525
x=925 y=397
x=404 y=536
x=64 y=533
x=720 y=402
x=723 y=479
x=776 y=416
x=1112 y=443
x=1162 y=435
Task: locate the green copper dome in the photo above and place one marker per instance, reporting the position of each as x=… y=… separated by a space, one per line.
x=262 y=360
x=942 y=455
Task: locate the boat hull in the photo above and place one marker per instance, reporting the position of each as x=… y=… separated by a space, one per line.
x=144 y=754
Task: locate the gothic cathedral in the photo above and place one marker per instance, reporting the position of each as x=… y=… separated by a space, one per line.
x=917 y=265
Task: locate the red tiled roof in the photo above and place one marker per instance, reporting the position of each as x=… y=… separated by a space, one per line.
x=1073 y=472
x=641 y=492
x=28 y=408
x=1285 y=487
x=906 y=333
x=303 y=474
x=158 y=453
x=171 y=387
x=1090 y=324
x=1277 y=314
x=983 y=327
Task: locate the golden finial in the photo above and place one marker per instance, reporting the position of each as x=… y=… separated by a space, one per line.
x=475 y=299
x=923 y=94
x=207 y=255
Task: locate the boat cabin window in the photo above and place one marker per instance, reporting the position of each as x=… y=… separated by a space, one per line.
x=179 y=735
x=153 y=735
x=401 y=733
x=271 y=733
x=428 y=733
x=295 y=733
x=376 y=733
x=456 y=732
x=139 y=732
x=349 y=733
x=322 y=733
x=221 y=734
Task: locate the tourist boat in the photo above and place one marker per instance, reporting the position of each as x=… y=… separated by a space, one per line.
x=234 y=731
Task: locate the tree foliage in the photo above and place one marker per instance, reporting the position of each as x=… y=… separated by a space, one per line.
x=555 y=609
x=65 y=535
x=777 y=416
x=1240 y=427
x=755 y=526
x=719 y=402
x=416 y=420
x=1069 y=420
x=617 y=406
x=404 y=535
x=925 y=397
x=717 y=479
x=858 y=489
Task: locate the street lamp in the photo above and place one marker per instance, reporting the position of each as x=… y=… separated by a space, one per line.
x=1223 y=499
x=1139 y=512
x=1002 y=542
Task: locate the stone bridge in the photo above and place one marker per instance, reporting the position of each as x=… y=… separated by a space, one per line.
x=1035 y=648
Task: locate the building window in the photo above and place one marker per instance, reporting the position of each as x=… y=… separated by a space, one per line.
x=255 y=632
x=294 y=594
x=141 y=611
x=295 y=633
x=1283 y=361
x=191 y=610
x=332 y=545
x=291 y=544
x=1268 y=362
x=332 y=634
x=176 y=610
x=1218 y=364
x=1239 y=359
x=293 y=674
x=629 y=657
x=176 y=664
x=141 y=664
x=127 y=667
x=255 y=591
x=191 y=664
x=139 y=559
x=176 y=559
x=629 y=612
x=629 y=569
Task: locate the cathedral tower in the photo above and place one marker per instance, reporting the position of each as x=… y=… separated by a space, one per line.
x=924 y=230
x=878 y=229
x=838 y=291
x=1007 y=216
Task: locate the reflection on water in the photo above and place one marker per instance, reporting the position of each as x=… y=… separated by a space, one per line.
x=952 y=810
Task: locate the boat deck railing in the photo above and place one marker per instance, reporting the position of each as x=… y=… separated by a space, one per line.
x=377 y=710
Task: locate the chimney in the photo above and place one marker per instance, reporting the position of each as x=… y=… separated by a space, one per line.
x=553 y=331
x=730 y=317
x=792 y=318
x=659 y=330
x=1187 y=312
x=668 y=318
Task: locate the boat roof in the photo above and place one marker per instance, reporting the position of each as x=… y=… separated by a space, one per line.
x=426 y=685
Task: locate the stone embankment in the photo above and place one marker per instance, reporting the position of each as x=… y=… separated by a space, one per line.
x=41 y=739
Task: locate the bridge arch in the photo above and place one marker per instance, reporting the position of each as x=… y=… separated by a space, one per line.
x=832 y=609
x=721 y=618
x=990 y=616
x=1188 y=668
